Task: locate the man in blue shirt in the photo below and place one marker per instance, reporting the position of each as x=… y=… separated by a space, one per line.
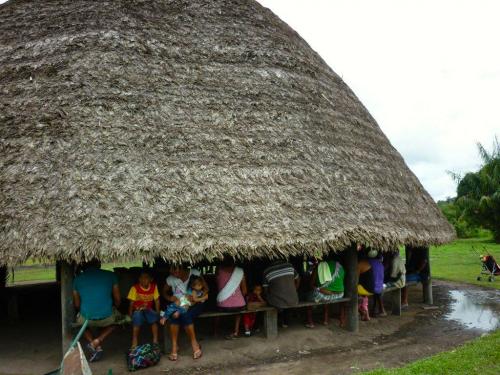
x=94 y=292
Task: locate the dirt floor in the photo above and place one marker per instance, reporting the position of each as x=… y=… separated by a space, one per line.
x=462 y=312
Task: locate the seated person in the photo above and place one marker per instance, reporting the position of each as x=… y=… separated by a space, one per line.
x=195 y=294
x=280 y=285
x=144 y=307
x=254 y=301
x=327 y=285
x=94 y=293
x=396 y=271
x=417 y=269
x=232 y=287
x=174 y=290
x=371 y=280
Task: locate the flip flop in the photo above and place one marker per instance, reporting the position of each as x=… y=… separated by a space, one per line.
x=231 y=336
x=309 y=325
x=173 y=357
x=197 y=354
x=97 y=356
x=91 y=349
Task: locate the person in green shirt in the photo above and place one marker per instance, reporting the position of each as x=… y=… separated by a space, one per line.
x=327 y=281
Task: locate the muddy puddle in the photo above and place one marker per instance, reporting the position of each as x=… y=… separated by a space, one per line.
x=475 y=309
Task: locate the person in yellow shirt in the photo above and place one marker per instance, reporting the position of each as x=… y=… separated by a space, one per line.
x=144 y=307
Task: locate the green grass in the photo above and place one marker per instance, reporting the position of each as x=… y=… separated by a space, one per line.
x=481 y=356
x=35 y=271
x=457 y=261
x=454 y=261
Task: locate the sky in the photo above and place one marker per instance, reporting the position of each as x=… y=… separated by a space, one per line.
x=428 y=71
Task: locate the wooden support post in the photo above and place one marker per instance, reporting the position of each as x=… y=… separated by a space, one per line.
x=67 y=308
x=271 y=323
x=396 y=302
x=3 y=277
x=427 y=284
x=13 y=306
x=351 y=288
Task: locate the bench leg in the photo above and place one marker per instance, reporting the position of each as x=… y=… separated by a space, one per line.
x=271 y=323
x=427 y=292
x=396 y=302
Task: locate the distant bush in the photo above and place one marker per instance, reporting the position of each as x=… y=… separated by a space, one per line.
x=454 y=215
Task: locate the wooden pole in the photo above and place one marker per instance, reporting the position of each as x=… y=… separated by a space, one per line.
x=351 y=288
x=3 y=277
x=427 y=283
x=67 y=308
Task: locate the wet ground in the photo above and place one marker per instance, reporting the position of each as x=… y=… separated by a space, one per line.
x=461 y=313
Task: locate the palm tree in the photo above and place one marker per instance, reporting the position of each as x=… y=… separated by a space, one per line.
x=478 y=194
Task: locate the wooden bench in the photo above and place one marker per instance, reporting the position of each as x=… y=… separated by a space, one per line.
x=270 y=321
x=396 y=294
x=311 y=304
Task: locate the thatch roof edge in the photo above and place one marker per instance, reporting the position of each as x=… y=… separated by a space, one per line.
x=189 y=254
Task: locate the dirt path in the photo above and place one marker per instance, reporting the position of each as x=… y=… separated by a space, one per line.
x=391 y=341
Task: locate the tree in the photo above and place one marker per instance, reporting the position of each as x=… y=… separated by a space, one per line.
x=478 y=193
x=454 y=215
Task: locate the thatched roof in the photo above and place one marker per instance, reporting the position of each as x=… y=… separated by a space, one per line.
x=185 y=129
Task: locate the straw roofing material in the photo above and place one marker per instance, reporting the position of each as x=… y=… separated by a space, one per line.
x=185 y=129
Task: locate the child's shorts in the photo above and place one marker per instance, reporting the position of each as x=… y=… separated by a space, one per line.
x=141 y=317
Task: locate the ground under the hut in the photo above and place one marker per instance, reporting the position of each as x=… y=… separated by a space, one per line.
x=31 y=345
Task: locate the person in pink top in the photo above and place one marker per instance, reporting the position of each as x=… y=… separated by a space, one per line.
x=232 y=288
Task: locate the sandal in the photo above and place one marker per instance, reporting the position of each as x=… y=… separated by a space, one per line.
x=310 y=325
x=231 y=336
x=198 y=353
x=172 y=357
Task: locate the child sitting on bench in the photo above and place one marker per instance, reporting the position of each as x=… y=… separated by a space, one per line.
x=195 y=294
x=144 y=306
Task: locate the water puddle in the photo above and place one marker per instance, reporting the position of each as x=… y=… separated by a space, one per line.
x=473 y=311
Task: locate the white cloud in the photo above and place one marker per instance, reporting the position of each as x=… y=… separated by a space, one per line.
x=428 y=71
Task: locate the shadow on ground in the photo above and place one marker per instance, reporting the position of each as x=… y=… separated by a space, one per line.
x=463 y=312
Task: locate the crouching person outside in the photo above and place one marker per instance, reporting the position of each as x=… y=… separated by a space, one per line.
x=94 y=292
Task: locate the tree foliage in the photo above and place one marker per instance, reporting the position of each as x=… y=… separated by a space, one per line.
x=453 y=213
x=478 y=193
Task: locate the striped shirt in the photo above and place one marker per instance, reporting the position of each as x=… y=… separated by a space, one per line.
x=280 y=282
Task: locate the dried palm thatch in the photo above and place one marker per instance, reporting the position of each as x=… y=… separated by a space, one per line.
x=187 y=129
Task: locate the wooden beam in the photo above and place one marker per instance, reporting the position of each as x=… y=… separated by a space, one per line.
x=3 y=277
x=271 y=323
x=351 y=287
x=396 y=301
x=67 y=307
x=427 y=284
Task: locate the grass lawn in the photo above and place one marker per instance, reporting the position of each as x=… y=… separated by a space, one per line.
x=457 y=261
x=33 y=271
x=481 y=356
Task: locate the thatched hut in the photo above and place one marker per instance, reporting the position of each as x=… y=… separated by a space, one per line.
x=185 y=130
